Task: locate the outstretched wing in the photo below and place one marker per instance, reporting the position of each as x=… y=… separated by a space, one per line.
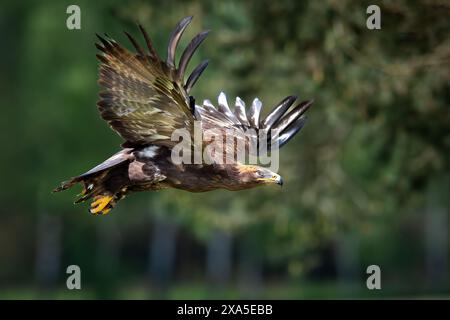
x=144 y=99
x=248 y=128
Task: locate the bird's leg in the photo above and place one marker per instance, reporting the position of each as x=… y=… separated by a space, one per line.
x=101 y=204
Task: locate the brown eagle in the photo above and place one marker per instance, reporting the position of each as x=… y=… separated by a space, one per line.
x=145 y=100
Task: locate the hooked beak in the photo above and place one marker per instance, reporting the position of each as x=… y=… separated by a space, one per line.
x=279 y=180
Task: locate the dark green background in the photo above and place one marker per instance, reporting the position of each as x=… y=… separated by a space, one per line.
x=366 y=181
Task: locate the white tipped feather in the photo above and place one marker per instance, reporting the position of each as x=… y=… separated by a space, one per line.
x=239 y=102
x=255 y=112
x=222 y=100
x=207 y=103
x=225 y=109
x=239 y=111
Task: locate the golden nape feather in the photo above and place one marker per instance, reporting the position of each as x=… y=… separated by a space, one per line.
x=147 y=101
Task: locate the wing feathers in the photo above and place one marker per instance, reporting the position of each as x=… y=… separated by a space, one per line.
x=135 y=44
x=281 y=123
x=239 y=111
x=193 y=77
x=174 y=39
x=188 y=52
x=152 y=52
x=255 y=113
x=145 y=99
x=278 y=112
x=291 y=130
x=293 y=115
x=225 y=109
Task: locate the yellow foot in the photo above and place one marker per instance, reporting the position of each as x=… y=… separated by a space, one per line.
x=100 y=205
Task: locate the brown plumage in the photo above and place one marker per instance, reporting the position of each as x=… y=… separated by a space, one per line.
x=145 y=100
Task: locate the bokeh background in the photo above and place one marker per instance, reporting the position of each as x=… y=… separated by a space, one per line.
x=366 y=181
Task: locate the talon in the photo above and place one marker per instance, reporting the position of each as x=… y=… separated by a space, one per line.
x=100 y=205
x=107 y=208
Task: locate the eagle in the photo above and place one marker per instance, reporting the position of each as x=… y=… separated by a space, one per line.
x=146 y=99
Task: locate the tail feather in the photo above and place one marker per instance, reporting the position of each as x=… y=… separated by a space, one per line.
x=105 y=184
x=98 y=188
x=67 y=184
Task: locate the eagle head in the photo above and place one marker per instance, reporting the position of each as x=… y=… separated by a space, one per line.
x=256 y=175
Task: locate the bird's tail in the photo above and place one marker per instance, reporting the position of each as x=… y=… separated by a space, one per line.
x=106 y=184
x=97 y=188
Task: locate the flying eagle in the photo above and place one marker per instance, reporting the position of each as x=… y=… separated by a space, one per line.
x=145 y=100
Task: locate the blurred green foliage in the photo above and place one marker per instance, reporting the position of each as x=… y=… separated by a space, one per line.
x=371 y=162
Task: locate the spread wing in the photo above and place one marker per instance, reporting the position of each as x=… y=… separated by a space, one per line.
x=246 y=126
x=143 y=98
